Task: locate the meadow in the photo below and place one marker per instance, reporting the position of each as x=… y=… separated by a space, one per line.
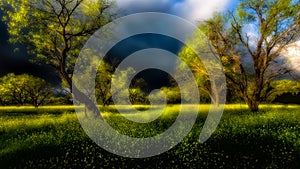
x=51 y=137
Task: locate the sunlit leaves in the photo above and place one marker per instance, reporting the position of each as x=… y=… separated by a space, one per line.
x=55 y=30
x=23 y=89
x=250 y=57
x=281 y=87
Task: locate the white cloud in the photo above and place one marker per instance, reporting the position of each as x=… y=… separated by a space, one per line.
x=193 y=10
x=199 y=9
x=292 y=53
x=252 y=32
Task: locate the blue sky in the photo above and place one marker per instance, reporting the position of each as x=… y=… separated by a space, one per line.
x=193 y=10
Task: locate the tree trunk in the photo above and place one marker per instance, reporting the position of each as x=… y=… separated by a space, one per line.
x=80 y=96
x=253 y=105
x=89 y=104
x=35 y=104
x=215 y=94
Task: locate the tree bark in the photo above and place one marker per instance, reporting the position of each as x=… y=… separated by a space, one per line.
x=89 y=104
x=253 y=104
x=80 y=96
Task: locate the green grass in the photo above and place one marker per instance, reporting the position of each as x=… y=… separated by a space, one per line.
x=51 y=137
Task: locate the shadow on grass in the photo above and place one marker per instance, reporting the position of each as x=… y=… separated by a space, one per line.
x=235 y=152
x=33 y=111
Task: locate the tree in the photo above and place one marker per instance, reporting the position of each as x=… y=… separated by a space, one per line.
x=5 y=94
x=172 y=94
x=37 y=90
x=22 y=89
x=137 y=96
x=106 y=75
x=205 y=81
x=12 y=87
x=253 y=62
x=55 y=30
x=103 y=83
x=281 y=87
x=138 y=91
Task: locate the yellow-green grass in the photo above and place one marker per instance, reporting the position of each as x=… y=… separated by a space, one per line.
x=51 y=137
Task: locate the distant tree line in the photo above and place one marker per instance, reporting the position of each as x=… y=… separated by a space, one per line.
x=138 y=89
x=23 y=89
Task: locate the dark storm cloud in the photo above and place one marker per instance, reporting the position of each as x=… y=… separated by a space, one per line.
x=130 y=6
x=154 y=78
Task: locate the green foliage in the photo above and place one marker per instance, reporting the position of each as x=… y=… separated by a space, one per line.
x=103 y=83
x=55 y=30
x=137 y=96
x=280 y=87
x=253 y=60
x=65 y=99
x=51 y=137
x=200 y=62
x=22 y=89
x=104 y=80
x=12 y=89
x=173 y=95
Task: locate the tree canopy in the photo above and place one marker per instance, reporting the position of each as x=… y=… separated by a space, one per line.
x=253 y=60
x=55 y=30
x=23 y=89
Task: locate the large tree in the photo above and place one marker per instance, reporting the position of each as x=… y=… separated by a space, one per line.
x=253 y=60
x=55 y=30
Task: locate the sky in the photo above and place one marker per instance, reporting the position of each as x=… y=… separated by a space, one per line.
x=198 y=10
x=192 y=10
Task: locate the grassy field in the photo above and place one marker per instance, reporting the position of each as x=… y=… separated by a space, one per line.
x=51 y=137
